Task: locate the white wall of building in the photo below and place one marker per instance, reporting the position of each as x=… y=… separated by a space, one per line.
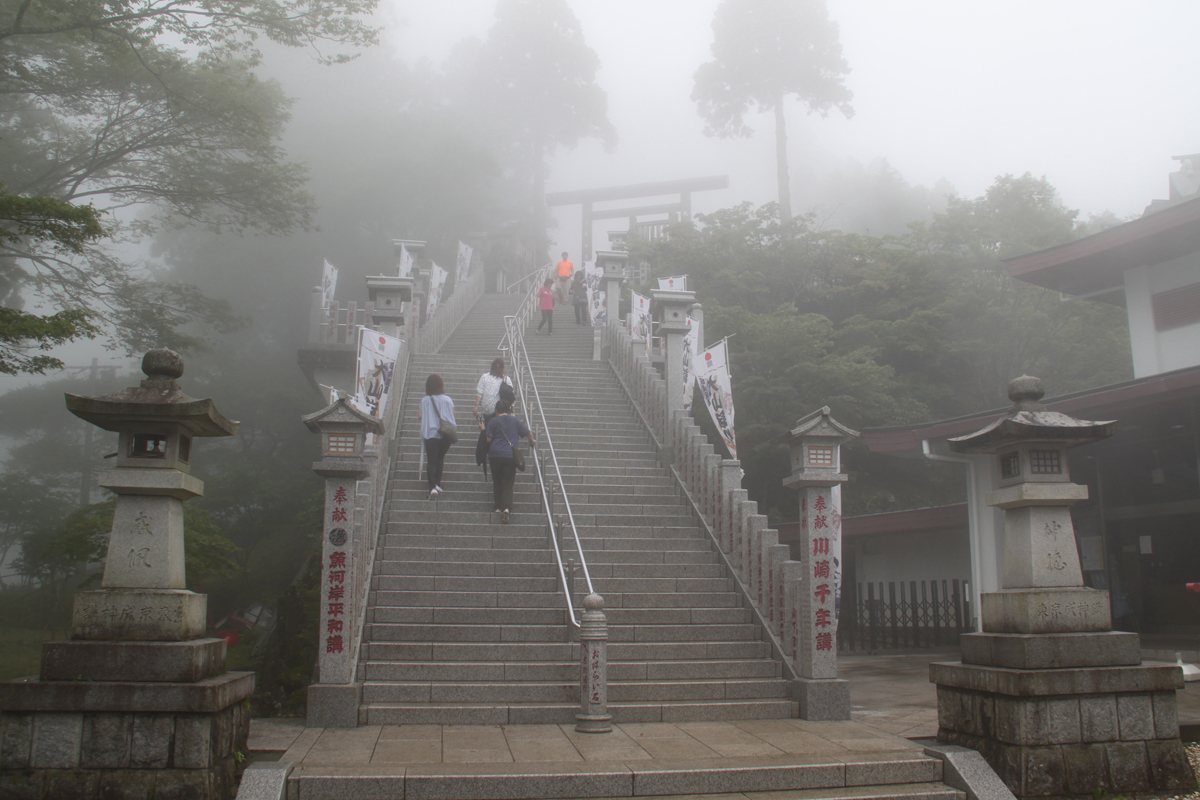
x=920 y=556
x=1155 y=352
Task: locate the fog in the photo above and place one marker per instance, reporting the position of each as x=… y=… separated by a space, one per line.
x=1089 y=94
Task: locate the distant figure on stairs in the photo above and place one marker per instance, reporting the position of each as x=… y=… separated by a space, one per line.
x=504 y=433
x=579 y=298
x=436 y=407
x=487 y=392
x=564 y=269
x=546 y=304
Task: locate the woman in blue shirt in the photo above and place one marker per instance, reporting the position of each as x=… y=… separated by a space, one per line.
x=504 y=433
x=436 y=407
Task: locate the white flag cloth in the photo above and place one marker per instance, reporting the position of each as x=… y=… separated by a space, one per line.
x=676 y=282
x=377 y=355
x=328 y=284
x=597 y=300
x=436 y=287
x=712 y=373
x=464 y=263
x=640 y=325
x=690 y=348
x=406 y=262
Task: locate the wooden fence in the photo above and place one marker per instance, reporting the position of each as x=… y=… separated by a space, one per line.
x=903 y=616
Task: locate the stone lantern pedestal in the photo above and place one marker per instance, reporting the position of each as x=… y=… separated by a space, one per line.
x=1056 y=701
x=138 y=703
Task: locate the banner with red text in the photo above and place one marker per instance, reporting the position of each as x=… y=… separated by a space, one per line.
x=712 y=373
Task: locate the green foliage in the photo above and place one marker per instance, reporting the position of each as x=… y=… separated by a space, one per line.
x=98 y=103
x=886 y=331
x=764 y=51
x=529 y=87
x=19 y=331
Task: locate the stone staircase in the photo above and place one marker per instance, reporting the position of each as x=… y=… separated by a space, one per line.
x=465 y=624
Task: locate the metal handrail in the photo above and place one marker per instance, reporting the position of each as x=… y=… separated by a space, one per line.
x=512 y=289
x=514 y=326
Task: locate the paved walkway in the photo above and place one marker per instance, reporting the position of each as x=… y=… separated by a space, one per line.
x=891 y=696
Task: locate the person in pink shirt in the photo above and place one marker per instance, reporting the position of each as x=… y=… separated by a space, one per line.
x=546 y=304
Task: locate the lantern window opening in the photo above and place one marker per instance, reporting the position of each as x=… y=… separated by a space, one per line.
x=148 y=445
x=1010 y=465
x=341 y=444
x=1045 y=462
x=820 y=456
x=185 y=448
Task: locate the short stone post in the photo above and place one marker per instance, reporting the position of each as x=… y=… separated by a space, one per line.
x=671 y=308
x=334 y=699
x=612 y=265
x=139 y=701
x=731 y=481
x=815 y=445
x=593 y=716
x=1056 y=701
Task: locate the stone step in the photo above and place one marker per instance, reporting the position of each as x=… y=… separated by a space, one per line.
x=598 y=571
x=540 y=714
x=567 y=691
x=429 y=615
x=563 y=651
x=516 y=585
x=514 y=600
x=416 y=632
x=558 y=671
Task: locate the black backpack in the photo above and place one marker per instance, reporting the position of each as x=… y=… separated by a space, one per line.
x=507 y=393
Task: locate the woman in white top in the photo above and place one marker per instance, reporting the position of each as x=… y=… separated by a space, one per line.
x=487 y=392
x=436 y=407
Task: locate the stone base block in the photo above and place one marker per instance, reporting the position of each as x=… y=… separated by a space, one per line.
x=176 y=662
x=1079 y=770
x=145 y=615
x=1045 y=682
x=333 y=705
x=145 y=742
x=1052 y=650
x=1070 y=610
x=822 y=699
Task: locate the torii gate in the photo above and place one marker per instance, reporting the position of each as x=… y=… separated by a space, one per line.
x=586 y=197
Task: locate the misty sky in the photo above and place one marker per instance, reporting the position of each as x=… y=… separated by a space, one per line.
x=1093 y=95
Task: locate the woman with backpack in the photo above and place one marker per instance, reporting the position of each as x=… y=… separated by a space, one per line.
x=504 y=432
x=435 y=411
x=493 y=386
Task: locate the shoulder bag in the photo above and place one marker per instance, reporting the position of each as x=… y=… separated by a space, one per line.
x=518 y=457
x=446 y=429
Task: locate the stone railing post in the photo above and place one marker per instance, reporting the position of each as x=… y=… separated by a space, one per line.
x=593 y=716
x=333 y=700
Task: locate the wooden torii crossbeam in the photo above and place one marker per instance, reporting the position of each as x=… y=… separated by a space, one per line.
x=587 y=197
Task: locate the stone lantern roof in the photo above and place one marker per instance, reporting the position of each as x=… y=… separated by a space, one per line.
x=157 y=400
x=339 y=413
x=1028 y=420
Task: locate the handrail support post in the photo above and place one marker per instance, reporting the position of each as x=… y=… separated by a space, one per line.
x=593 y=716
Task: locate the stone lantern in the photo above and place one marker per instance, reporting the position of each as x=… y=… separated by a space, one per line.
x=812 y=602
x=389 y=294
x=1055 y=700
x=155 y=424
x=612 y=264
x=139 y=701
x=671 y=307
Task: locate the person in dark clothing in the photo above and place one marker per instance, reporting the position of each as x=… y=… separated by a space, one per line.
x=579 y=298
x=436 y=407
x=504 y=433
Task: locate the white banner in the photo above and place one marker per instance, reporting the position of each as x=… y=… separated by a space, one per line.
x=597 y=306
x=713 y=375
x=676 y=282
x=691 y=346
x=437 y=285
x=377 y=355
x=328 y=284
x=640 y=324
x=406 y=262
x=464 y=263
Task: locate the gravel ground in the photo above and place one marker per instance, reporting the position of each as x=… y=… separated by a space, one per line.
x=1193 y=754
